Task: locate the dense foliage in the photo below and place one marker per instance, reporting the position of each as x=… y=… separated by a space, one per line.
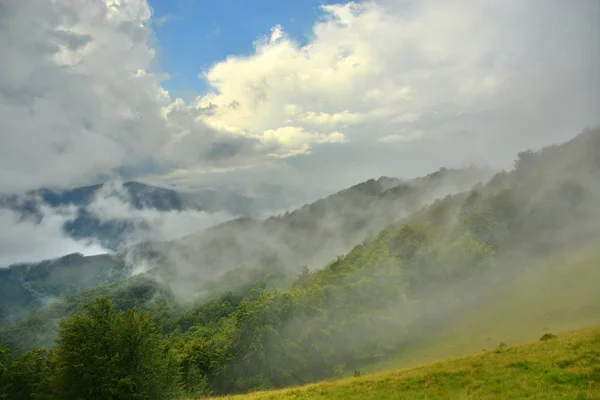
x=25 y=288
x=100 y=354
x=265 y=328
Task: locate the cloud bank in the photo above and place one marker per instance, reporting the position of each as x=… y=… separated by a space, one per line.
x=31 y=241
x=481 y=79
x=81 y=97
x=402 y=86
x=38 y=231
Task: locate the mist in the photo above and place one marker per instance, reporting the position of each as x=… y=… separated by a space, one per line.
x=463 y=255
x=24 y=240
x=111 y=220
x=435 y=259
x=113 y=203
x=310 y=236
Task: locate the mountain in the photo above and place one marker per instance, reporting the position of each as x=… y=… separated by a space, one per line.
x=311 y=235
x=28 y=287
x=106 y=213
x=507 y=372
x=241 y=313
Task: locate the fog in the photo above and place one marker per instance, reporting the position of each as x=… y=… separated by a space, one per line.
x=416 y=281
x=34 y=231
x=310 y=236
x=112 y=203
x=391 y=263
x=28 y=240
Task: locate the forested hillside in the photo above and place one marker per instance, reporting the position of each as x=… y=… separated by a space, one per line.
x=268 y=325
x=311 y=236
x=27 y=287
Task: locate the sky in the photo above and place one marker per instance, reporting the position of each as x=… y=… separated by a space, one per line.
x=212 y=32
x=317 y=94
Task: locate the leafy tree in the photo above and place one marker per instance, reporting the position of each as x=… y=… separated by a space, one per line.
x=4 y=371
x=28 y=376
x=105 y=354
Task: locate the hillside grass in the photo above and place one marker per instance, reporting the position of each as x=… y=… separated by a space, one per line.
x=565 y=367
x=558 y=294
x=553 y=295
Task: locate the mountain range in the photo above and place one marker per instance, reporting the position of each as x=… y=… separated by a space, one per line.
x=111 y=214
x=310 y=235
x=342 y=282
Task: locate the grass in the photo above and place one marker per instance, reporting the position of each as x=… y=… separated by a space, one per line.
x=565 y=367
x=559 y=294
x=555 y=295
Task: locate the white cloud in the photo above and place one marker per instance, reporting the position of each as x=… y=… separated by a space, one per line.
x=81 y=96
x=500 y=73
x=401 y=137
x=322 y=118
x=276 y=33
x=29 y=241
x=81 y=99
x=112 y=203
x=289 y=140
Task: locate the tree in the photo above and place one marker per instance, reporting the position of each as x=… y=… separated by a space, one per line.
x=5 y=365
x=105 y=354
x=27 y=376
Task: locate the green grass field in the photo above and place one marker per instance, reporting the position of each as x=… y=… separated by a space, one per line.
x=566 y=367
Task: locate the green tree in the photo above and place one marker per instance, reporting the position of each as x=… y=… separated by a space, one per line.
x=5 y=365
x=27 y=376
x=105 y=354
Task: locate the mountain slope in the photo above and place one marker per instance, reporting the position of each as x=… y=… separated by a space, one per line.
x=417 y=276
x=311 y=235
x=556 y=293
x=563 y=367
x=28 y=287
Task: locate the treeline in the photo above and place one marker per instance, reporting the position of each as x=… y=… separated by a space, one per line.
x=100 y=354
x=275 y=330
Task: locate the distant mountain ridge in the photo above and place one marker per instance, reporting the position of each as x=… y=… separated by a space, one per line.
x=83 y=223
x=30 y=286
x=310 y=235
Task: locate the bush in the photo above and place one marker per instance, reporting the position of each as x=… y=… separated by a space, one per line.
x=547 y=336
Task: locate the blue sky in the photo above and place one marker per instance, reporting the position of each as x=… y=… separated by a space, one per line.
x=198 y=33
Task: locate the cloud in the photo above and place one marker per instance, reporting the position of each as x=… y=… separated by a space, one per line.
x=41 y=235
x=401 y=137
x=276 y=33
x=27 y=240
x=112 y=203
x=482 y=78
x=322 y=118
x=82 y=96
x=293 y=139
